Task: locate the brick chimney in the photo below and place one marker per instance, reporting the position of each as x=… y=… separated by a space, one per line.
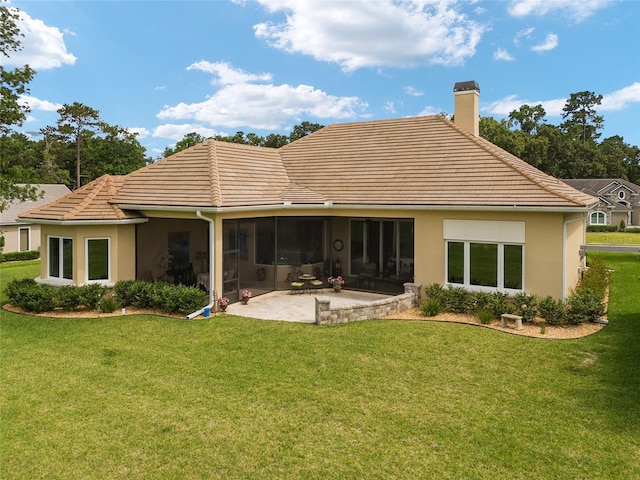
x=467 y=111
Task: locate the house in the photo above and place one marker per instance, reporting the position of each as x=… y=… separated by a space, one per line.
x=20 y=236
x=420 y=198
x=619 y=200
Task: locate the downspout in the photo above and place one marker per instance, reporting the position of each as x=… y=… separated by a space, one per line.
x=212 y=296
x=564 y=251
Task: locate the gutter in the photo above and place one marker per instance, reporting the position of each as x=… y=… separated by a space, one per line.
x=212 y=293
x=333 y=206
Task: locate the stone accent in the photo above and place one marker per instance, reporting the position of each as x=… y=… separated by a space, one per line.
x=325 y=315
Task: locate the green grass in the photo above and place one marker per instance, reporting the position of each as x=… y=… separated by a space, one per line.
x=613 y=238
x=228 y=397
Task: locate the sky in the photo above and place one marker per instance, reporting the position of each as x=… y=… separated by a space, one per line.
x=163 y=69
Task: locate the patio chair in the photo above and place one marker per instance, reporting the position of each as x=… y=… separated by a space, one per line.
x=317 y=285
x=367 y=275
x=296 y=287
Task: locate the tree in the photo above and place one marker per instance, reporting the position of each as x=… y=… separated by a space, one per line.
x=189 y=140
x=13 y=84
x=304 y=129
x=78 y=122
x=583 y=121
x=528 y=118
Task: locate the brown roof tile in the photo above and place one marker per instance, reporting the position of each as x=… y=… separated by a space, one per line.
x=90 y=202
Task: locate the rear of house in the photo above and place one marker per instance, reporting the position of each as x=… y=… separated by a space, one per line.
x=381 y=203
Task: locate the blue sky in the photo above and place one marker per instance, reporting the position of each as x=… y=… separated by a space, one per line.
x=167 y=68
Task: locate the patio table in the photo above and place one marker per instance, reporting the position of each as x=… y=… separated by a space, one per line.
x=306 y=278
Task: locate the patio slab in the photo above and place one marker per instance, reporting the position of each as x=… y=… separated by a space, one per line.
x=299 y=307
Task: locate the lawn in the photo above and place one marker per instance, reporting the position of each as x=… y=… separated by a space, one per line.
x=230 y=397
x=613 y=238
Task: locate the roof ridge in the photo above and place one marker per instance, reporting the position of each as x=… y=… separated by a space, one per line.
x=85 y=202
x=212 y=154
x=508 y=159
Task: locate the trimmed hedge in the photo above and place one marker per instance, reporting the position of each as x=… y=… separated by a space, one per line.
x=19 y=256
x=33 y=297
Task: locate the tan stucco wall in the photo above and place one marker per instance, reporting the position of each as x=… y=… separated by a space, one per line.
x=12 y=237
x=122 y=242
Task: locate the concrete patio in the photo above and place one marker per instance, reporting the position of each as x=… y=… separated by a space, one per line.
x=299 y=307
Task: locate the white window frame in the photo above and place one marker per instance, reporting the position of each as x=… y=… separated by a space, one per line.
x=621 y=195
x=467 y=268
x=86 y=260
x=20 y=229
x=59 y=279
x=598 y=213
x=498 y=233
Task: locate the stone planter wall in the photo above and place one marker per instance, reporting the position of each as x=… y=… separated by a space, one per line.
x=325 y=315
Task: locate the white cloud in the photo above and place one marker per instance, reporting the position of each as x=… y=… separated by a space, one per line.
x=178 y=131
x=43 y=105
x=502 y=54
x=141 y=131
x=550 y=42
x=430 y=110
x=390 y=107
x=620 y=99
x=525 y=33
x=578 y=10
x=43 y=46
x=506 y=105
x=372 y=34
x=260 y=106
x=414 y=92
x=225 y=74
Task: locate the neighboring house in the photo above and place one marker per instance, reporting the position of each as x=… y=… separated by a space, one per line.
x=619 y=200
x=415 y=198
x=21 y=236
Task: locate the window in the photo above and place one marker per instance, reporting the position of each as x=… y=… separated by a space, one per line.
x=598 y=218
x=621 y=195
x=485 y=266
x=60 y=257
x=97 y=258
x=24 y=239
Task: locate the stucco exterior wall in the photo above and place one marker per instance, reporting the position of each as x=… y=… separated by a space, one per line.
x=11 y=235
x=122 y=249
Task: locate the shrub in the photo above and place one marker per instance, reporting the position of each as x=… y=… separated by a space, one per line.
x=91 y=294
x=622 y=226
x=431 y=306
x=596 y=277
x=485 y=316
x=68 y=297
x=584 y=305
x=108 y=304
x=525 y=306
x=19 y=256
x=124 y=292
x=553 y=311
x=480 y=300
x=457 y=300
x=437 y=291
x=602 y=228
x=498 y=304
x=30 y=296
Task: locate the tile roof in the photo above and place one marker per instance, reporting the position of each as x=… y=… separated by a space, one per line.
x=90 y=202
x=51 y=191
x=417 y=161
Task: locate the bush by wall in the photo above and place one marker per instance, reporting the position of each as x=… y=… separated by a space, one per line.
x=19 y=256
x=33 y=297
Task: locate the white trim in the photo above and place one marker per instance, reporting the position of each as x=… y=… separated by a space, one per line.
x=28 y=229
x=467 y=285
x=60 y=259
x=86 y=260
x=354 y=206
x=598 y=212
x=40 y=221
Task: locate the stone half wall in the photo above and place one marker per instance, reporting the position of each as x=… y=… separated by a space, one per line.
x=325 y=315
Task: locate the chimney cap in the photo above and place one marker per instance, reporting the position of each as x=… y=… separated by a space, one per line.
x=471 y=85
